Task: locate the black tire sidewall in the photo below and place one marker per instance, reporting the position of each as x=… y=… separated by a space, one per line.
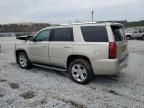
x=88 y=68
x=128 y=38
x=28 y=64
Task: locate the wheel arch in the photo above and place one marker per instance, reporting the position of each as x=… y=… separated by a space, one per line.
x=75 y=56
x=17 y=52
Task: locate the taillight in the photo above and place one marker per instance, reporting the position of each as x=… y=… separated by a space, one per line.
x=112 y=50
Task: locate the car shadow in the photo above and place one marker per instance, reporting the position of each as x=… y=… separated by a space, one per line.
x=102 y=80
x=110 y=81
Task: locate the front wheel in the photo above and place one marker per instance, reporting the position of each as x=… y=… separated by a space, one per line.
x=80 y=71
x=23 y=61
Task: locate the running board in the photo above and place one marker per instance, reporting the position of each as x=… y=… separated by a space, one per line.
x=51 y=67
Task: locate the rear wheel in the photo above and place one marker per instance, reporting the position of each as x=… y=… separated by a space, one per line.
x=23 y=61
x=80 y=71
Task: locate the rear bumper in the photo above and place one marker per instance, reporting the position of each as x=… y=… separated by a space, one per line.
x=109 y=66
x=123 y=63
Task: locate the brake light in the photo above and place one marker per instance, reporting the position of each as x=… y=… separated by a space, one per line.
x=112 y=50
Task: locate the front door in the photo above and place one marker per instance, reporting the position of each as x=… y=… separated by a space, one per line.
x=39 y=47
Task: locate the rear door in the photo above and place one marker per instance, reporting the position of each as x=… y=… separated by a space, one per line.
x=138 y=33
x=61 y=46
x=135 y=34
x=121 y=41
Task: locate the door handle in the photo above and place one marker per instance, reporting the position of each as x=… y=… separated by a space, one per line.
x=67 y=47
x=44 y=46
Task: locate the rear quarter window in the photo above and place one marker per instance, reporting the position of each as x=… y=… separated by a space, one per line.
x=94 y=33
x=118 y=33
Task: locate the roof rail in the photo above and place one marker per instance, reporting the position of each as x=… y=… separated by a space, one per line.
x=84 y=23
x=64 y=24
x=78 y=23
x=90 y=22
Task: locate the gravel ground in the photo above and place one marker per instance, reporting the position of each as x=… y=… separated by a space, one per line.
x=43 y=88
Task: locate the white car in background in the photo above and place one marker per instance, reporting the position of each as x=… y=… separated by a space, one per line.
x=136 y=34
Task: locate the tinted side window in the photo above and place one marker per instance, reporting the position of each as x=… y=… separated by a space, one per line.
x=94 y=33
x=43 y=36
x=62 y=34
x=118 y=33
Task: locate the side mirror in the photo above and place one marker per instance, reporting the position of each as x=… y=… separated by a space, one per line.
x=33 y=39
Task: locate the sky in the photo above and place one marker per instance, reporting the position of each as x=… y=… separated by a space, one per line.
x=69 y=11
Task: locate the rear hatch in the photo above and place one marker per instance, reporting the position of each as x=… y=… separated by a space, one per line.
x=120 y=40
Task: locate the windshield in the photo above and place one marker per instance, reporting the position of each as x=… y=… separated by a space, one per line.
x=118 y=33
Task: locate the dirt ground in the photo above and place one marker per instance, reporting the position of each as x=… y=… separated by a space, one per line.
x=43 y=88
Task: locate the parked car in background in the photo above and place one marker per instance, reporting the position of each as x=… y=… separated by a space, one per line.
x=83 y=50
x=136 y=34
x=32 y=33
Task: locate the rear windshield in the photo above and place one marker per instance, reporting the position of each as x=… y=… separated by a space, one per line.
x=118 y=33
x=94 y=33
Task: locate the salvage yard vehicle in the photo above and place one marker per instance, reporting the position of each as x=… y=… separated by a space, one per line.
x=137 y=34
x=83 y=50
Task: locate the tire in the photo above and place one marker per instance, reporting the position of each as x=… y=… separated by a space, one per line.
x=80 y=71
x=128 y=37
x=142 y=37
x=23 y=61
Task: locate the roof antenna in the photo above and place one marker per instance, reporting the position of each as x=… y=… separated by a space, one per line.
x=92 y=14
